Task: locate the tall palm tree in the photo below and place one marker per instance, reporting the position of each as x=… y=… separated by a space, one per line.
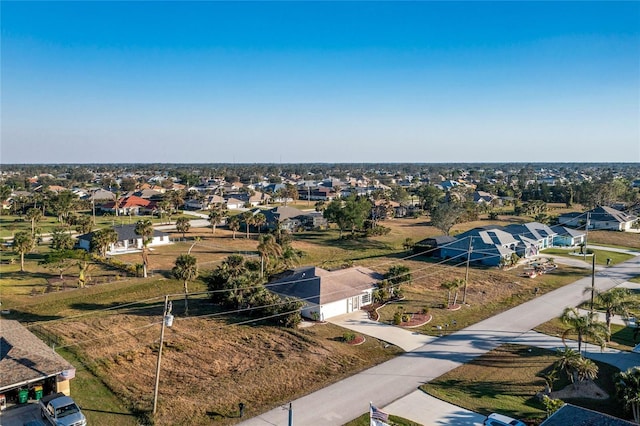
x=259 y=219
x=185 y=269
x=269 y=248
x=23 y=242
x=247 y=217
x=628 y=390
x=234 y=225
x=215 y=217
x=183 y=225
x=584 y=326
x=614 y=302
x=34 y=215
x=144 y=228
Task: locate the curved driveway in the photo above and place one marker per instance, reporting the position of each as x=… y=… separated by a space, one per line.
x=390 y=381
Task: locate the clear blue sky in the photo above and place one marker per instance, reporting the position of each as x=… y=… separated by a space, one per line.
x=320 y=82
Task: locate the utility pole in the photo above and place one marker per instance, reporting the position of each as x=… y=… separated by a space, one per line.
x=167 y=319
x=290 y=414
x=466 y=275
x=586 y=236
x=593 y=279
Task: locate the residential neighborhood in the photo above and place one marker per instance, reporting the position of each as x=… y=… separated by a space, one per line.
x=367 y=255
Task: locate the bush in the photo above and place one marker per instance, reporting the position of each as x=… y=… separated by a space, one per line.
x=424 y=310
x=348 y=336
x=397 y=318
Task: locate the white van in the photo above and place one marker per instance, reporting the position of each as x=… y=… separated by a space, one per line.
x=496 y=419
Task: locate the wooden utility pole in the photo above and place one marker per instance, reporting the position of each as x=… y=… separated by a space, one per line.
x=166 y=313
x=593 y=279
x=466 y=275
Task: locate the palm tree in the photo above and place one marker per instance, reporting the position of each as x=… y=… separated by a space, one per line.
x=23 y=242
x=269 y=248
x=628 y=390
x=450 y=286
x=259 y=219
x=34 y=215
x=185 y=269
x=584 y=326
x=247 y=217
x=568 y=359
x=215 y=217
x=614 y=302
x=144 y=228
x=183 y=225
x=102 y=239
x=234 y=225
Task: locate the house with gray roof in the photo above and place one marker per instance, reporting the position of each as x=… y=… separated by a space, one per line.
x=128 y=240
x=489 y=246
x=568 y=237
x=578 y=416
x=602 y=217
x=26 y=361
x=535 y=236
x=327 y=294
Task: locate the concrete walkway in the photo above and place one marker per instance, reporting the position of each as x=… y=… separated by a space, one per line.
x=404 y=338
x=428 y=410
x=615 y=249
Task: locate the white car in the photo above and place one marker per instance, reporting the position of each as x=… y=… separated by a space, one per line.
x=496 y=419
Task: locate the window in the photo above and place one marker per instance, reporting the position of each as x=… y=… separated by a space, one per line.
x=366 y=298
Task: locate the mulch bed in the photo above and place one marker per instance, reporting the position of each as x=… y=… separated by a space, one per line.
x=358 y=340
x=417 y=320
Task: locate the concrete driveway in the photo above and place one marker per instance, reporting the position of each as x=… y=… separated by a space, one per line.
x=20 y=414
x=427 y=410
x=404 y=338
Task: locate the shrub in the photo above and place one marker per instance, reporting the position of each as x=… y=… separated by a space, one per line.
x=348 y=336
x=397 y=318
x=424 y=310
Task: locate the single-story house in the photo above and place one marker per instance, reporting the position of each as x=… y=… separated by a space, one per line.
x=131 y=205
x=431 y=246
x=327 y=293
x=567 y=237
x=578 y=416
x=535 y=236
x=128 y=240
x=488 y=246
x=291 y=219
x=27 y=362
x=599 y=218
x=206 y=203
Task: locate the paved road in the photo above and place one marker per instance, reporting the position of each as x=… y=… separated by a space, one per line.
x=399 y=377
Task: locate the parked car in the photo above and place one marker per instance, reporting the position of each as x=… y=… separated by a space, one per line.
x=60 y=410
x=496 y=419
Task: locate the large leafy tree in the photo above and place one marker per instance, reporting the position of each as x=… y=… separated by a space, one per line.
x=183 y=225
x=144 y=228
x=628 y=390
x=445 y=215
x=185 y=269
x=23 y=242
x=584 y=326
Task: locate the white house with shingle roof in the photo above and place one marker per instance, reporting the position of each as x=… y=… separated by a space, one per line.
x=602 y=217
x=328 y=293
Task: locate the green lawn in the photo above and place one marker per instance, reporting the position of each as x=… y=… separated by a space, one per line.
x=506 y=380
x=601 y=255
x=621 y=336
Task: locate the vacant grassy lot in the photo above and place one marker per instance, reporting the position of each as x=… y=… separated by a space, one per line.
x=615 y=239
x=489 y=292
x=506 y=380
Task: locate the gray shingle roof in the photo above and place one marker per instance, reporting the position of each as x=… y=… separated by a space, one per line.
x=577 y=416
x=24 y=357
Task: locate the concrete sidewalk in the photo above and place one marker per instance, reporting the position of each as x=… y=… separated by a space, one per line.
x=428 y=410
x=404 y=338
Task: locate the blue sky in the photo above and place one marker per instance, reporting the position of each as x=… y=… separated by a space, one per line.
x=320 y=82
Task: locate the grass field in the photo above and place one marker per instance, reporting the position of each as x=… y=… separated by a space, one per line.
x=506 y=380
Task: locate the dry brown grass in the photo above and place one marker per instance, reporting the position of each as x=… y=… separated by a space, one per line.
x=208 y=367
x=613 y=238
